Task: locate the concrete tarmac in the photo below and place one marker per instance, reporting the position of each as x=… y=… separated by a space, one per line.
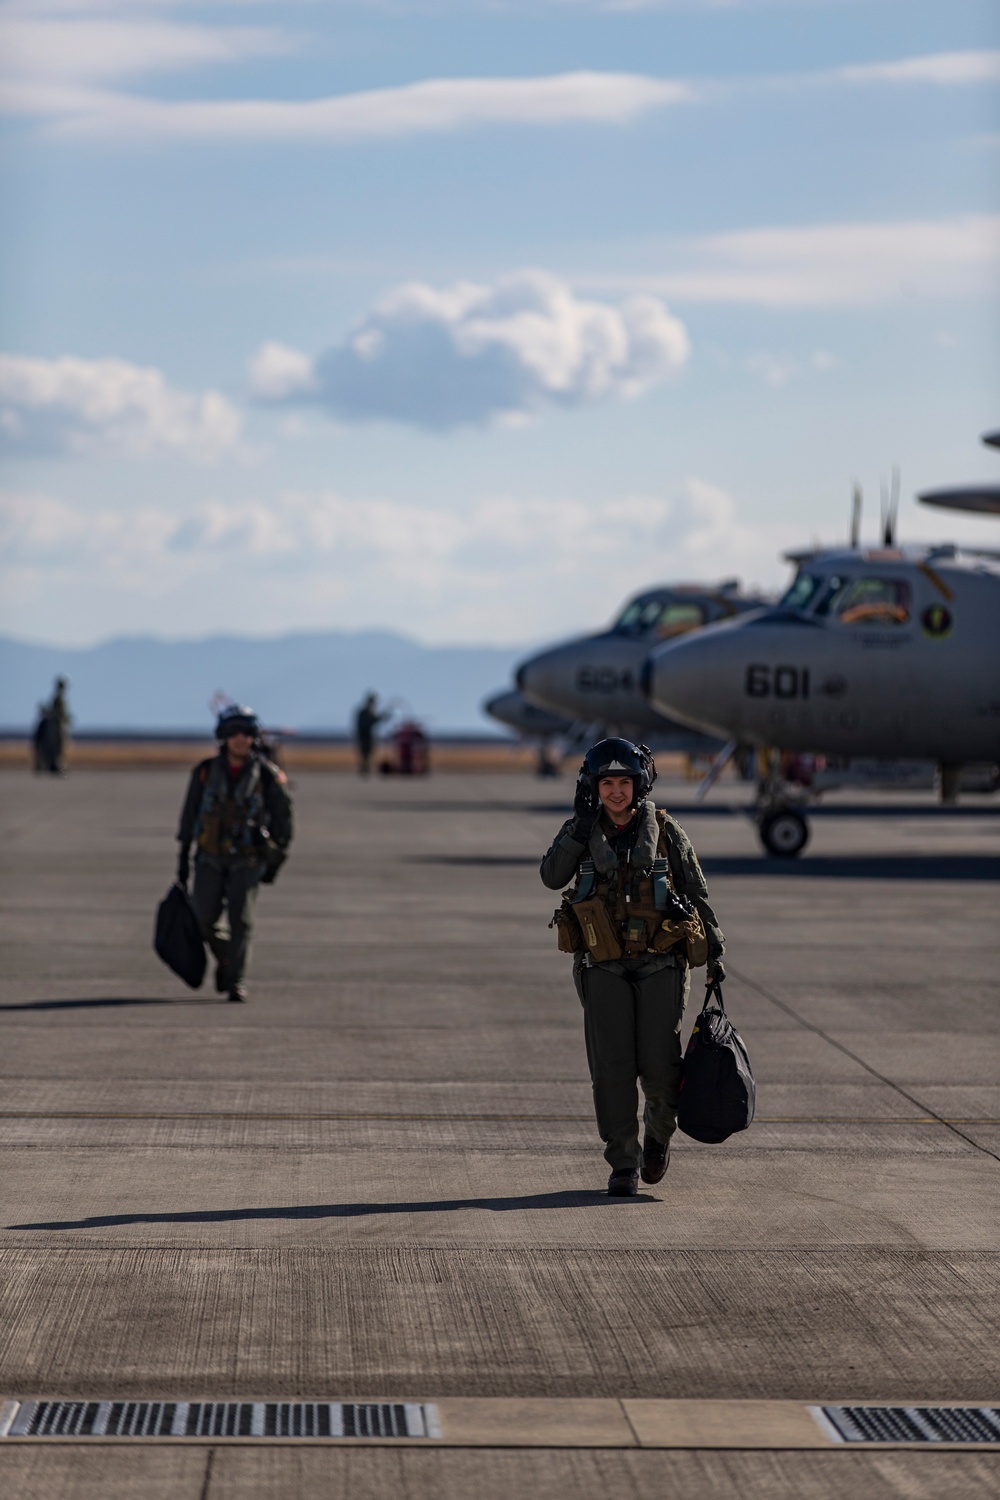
x=381 y=1179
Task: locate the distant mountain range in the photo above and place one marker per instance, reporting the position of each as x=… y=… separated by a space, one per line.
x=305 y=682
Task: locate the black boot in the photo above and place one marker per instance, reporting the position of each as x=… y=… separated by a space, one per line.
x=655 y=1158
x=238 y=992
x=623 y=1184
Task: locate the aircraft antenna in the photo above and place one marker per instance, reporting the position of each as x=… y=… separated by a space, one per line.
x=856 y=499
x=889 y=507
x=892 y=510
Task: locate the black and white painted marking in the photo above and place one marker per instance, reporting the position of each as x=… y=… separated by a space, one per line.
x=910 y=1424
x=203 y=1419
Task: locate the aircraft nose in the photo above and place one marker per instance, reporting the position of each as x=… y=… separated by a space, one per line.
x=540 y=677
x=497 y=703
x=695 y=680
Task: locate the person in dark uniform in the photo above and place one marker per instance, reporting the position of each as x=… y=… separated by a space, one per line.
x=238 y=813
x=38 y=752
x=366 y=720
x=636 y=920
x=51 y=732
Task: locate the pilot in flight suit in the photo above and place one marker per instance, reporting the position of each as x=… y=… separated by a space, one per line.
x=637 y=918
x=239 y=814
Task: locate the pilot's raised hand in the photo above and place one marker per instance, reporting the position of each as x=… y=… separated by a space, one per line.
x=586 y=810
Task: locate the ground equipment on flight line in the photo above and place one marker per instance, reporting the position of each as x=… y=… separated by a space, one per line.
x=718 y=1093
x=178 y=940
x=411 y=751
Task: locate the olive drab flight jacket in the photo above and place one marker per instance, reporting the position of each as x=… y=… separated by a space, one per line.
x=630 y=899
x=247 y=821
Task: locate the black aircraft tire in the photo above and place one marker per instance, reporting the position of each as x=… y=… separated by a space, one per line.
x=784 y=833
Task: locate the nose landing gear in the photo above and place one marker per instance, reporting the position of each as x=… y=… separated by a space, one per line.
x=784 y=832
x=784 y=785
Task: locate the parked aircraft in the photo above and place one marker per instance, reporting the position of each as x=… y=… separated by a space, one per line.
x=982 y=498
x=595 y=678
x=885 y=652
x=512 y=709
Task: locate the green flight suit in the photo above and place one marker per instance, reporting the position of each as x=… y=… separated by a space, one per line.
x=633 y=1008
x=228 y=817
x=233 y=887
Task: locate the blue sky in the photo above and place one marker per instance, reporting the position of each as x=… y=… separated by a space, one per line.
x=470 y=319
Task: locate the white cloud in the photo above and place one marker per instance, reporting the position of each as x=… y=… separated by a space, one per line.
x=276 y=371
x=43 y=50
x=950 y=68
x=425 y=546
x=774 y=369
x=86 y=406
x=501 y=569
x=106 y=48
x=429 y=106
x=778 y=369
x=37 y=530
x=824 y=265
x=470 y=354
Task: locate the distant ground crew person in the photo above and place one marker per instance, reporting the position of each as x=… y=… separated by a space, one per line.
x=52 y=732
x=636 y=919
x=366 y=720
x=238 y=813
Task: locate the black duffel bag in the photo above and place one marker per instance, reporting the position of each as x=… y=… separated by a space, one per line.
x=717 y=1088
x=178 y=939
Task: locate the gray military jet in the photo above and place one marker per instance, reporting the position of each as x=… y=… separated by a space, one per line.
x=884 y=652
x=594 y=679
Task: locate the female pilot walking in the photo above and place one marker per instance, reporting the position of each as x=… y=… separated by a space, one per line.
x=635 y=920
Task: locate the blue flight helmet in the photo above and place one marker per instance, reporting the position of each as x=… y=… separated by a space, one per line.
x=237 y=719
x=618 y=757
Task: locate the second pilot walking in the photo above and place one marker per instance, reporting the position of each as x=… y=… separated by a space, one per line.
x=238 y=813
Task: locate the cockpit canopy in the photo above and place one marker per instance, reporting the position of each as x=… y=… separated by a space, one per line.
x=850 y=600
x=666 y=612
x=659 y=617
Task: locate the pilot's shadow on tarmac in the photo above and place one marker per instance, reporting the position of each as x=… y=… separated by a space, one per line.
x=859 y=866
x=104 y=1004
x=594 y=1198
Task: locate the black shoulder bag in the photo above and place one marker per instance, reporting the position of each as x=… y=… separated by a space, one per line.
x=177 y=937
x=718 y=1092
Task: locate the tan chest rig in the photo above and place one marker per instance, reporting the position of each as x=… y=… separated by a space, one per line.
x=230 y=820
x=623 y=915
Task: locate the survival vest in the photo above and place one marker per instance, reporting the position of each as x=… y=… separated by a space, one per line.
x=621 y=913
x=232 y=818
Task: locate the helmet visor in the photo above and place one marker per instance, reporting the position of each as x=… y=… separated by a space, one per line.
x=249 y=727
